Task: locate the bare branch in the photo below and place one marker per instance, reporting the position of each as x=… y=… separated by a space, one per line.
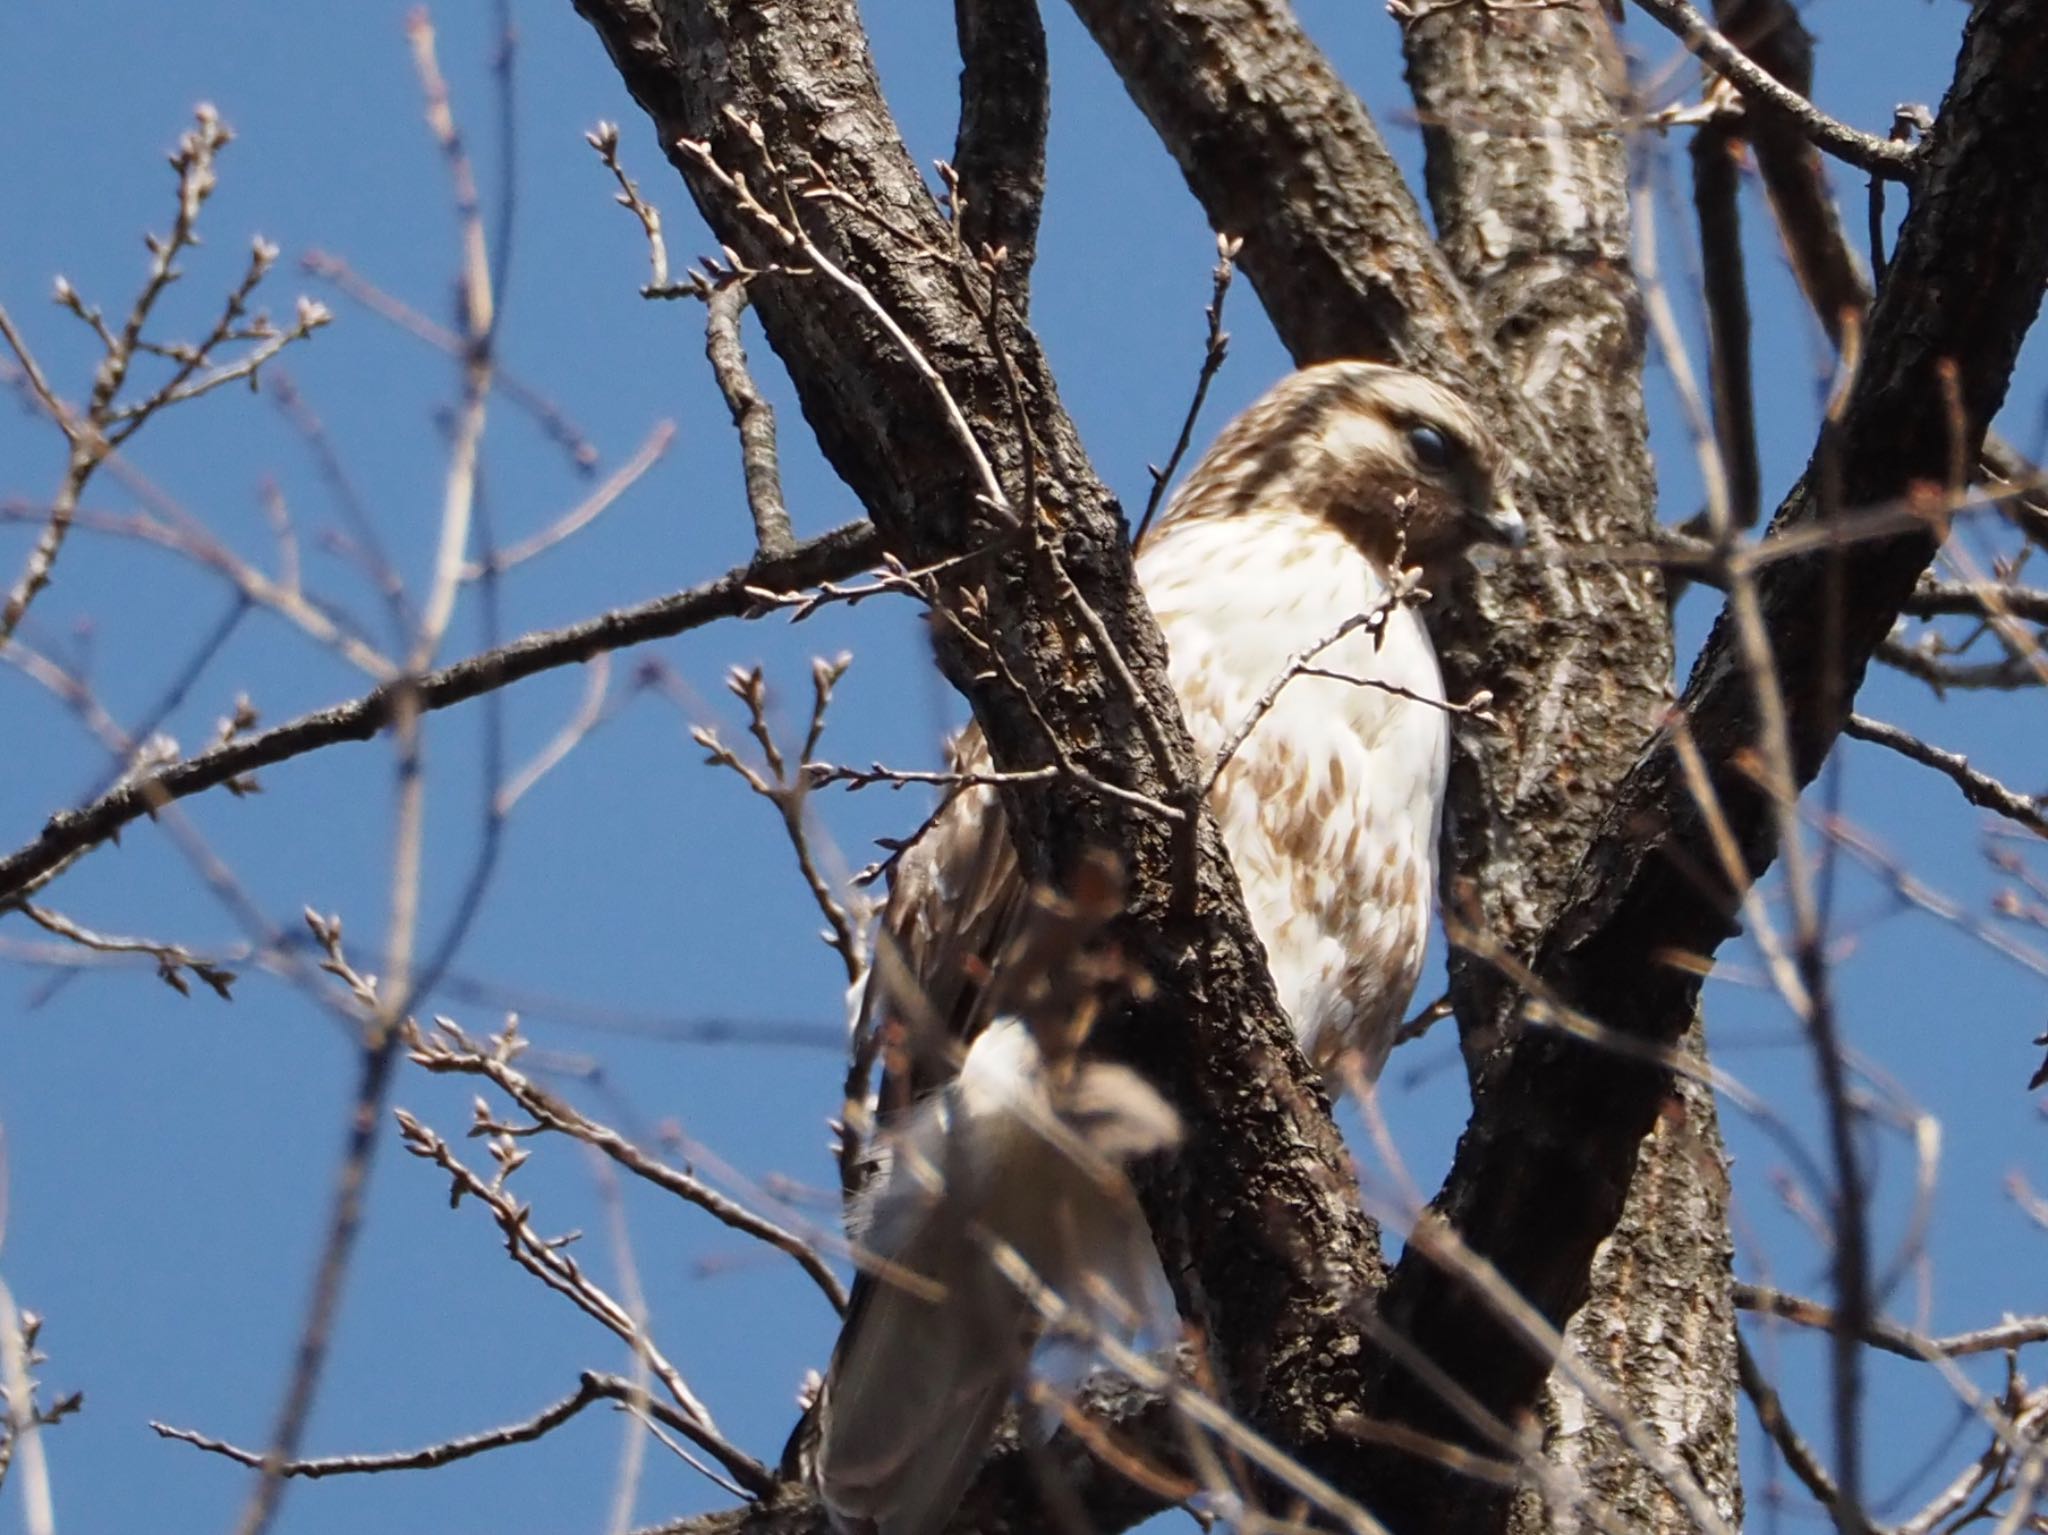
x=449 y=1050
x=590 y=713
x=32 y=371
x=1866 y=151
x=1716 y=188
x=24 y=1421
x=93 y=434
x=592 y=1387
x=604 y=138
x=752 y=416
x=788 y=789
x=1770 y=1412
x=586 y=511
x=999 y=151
x=839 y=553
x=1373 y=621
x=1980 y=789
x=172 y=960
x=2014 y=1332
x=791 y=237
x=1214 y=349
x=189 y=541
x=547 y=1261
x=560 y=430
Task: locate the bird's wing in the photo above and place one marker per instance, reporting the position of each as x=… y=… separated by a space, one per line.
x=954 y=902
x=933 y=1340
x=953 y=908
x=918 y=1385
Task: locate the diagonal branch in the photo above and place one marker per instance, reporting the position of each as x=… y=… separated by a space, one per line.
x=1979 y=788
x=1867 y=151
x=835 y=555
x=1212 y=1037
x=1539 y=1177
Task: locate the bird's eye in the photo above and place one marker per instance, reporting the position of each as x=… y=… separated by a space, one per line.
x=1430 y=449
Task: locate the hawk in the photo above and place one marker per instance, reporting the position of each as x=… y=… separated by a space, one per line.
x=1307 y=514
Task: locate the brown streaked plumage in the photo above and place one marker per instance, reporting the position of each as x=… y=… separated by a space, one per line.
x=1292 y=523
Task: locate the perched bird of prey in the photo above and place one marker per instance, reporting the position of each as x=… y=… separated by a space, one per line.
x=1305 y=516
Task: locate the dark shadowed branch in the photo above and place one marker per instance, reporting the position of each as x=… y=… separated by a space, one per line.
x=1257 y=1280
x=999 y=152
x=1565 y=1120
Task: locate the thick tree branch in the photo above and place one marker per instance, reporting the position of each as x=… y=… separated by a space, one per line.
x=1524 y=121
x=1716 y=200
x=1283 y=155
x=1257 y=1218
x=1541 y=1174
x=999 y=151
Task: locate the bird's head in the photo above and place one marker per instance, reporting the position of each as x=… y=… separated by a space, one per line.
x=1397 y=461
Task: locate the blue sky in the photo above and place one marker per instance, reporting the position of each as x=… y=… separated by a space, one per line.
x=168 y=1160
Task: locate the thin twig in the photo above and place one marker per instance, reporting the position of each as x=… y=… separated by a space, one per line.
x=547 y=1261
x=368 y=542
x=1979 y=788
x=605 y=140
x=396 y=989
x=592 y=1387
x=633 y=1442
x=93 y=434
x=1214 y=349
x=840 y=553
x=788 y=791
x=1373 y=619
x=1770 y=1412
x=449 y=1050
x=1716 y=187
x=586 y=511
x=552 y=420
x=315 y=620
x=822 y=774
x=1866 y=151
x=172 y=959
x=2014 y=1332
x=791 y=236
x=589 y=714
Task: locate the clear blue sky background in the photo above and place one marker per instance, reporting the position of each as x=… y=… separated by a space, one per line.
x=168 y=1161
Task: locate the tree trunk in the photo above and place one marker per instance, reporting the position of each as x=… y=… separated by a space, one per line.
x=1590 y=1177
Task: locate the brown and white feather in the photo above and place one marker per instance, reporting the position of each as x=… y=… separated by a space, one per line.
x=1299 y=518
x=1291 y=524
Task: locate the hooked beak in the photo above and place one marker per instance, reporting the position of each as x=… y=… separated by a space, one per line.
x=1504 y=523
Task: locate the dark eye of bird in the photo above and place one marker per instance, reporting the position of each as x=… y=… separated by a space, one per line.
x=1429 y=448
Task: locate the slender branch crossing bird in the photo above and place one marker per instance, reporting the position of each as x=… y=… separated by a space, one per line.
x=1283 y=577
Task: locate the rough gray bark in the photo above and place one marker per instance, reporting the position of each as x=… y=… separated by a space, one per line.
x=1561 y=1128
x=1538 y=228
x=1540 y=291
x=1258 y=1220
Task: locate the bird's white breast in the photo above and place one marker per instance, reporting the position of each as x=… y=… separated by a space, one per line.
x=1330 y=808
